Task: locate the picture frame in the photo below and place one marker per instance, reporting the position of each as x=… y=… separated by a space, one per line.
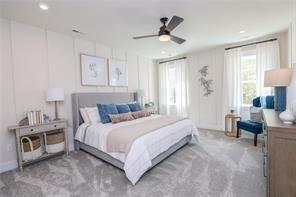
x=93 y=70
x=118 y=73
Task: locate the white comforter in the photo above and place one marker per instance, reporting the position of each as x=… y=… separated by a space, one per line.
x=144 y=149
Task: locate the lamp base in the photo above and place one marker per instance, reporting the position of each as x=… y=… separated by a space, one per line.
x=56 y=111
x=287 y=117
x=280 y=98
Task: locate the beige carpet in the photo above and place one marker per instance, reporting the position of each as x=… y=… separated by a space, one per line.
x=217 y=166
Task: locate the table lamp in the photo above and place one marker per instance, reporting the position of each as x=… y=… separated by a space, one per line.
x=55 y=95
x=278 y=78
x=141 y=94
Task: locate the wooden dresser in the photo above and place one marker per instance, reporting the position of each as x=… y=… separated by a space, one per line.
x=279 y=155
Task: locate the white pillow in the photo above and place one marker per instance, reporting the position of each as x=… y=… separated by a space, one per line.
x=84 y=115
x=256 y=114
x=93 y=114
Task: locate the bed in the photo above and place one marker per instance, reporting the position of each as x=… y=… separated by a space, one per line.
x=145 y=152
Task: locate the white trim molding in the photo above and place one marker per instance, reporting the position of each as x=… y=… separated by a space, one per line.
x=9 y=165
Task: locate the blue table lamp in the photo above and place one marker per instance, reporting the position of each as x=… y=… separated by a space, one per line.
x=278 y=78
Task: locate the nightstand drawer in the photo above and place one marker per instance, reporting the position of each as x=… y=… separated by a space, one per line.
x=54 y=126
x=30 y=130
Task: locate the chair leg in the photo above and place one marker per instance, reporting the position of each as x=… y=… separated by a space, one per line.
x=255 y=139
x=237 y=132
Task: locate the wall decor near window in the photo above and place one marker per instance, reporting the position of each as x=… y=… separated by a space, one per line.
x=205 y=83
x=117 y=73
x=93 y=70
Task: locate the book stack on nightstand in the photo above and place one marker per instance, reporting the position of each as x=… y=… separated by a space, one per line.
x=28 y=132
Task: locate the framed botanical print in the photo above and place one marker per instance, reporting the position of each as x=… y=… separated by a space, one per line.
x=117 y=73
x=93 y=70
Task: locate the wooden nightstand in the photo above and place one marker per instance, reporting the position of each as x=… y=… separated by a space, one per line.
x=233 y=118
x=39 y=130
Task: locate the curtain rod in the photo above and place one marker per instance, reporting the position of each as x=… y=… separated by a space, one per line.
x=274 y=39
x=172 y=60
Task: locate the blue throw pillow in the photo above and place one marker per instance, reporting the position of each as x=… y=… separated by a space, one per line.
x=105 y=110
x=270 y=102
x=134 y=106
x=123 y=108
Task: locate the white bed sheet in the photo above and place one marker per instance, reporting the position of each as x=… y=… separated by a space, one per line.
x=144 y=149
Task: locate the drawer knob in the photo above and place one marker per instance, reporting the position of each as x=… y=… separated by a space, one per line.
x=32 y=130
x=55 y=125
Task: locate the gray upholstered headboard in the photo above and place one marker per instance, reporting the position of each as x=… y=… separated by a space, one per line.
x=80 y=100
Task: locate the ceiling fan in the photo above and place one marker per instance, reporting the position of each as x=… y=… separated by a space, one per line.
x=164 y=33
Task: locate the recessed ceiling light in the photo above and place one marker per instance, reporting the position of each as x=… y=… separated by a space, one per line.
x=242 y=31
x=43 y=6
x=162 y=52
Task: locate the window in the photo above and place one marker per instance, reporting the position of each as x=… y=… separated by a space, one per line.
x=249 y=81
x=248 y=78
x=172 y=85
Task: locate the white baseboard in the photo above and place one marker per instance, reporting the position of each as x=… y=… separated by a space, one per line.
x=9 y=165
x=211 y=127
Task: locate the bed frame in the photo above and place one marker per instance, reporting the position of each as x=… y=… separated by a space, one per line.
x=80 y=100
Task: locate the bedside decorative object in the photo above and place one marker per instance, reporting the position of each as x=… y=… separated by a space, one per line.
x=54 y=142
x=23 y=122
x=151 y=108
x=28 y=148
x=117 y=73
x=150 y=104
x=35 y=117
x=93 y=70
x=55 y=95
x=279 y=78
x=232 y=118
x=31 y=147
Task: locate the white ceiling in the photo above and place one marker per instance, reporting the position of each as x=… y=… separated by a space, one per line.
x=114 y=23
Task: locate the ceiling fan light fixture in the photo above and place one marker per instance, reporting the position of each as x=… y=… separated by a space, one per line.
x=43 y=6
x=164 y=38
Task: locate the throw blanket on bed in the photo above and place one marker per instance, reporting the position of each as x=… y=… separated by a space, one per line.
x=121 y=139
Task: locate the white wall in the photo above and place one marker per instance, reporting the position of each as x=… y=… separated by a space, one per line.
x=34 y=59
x=292 y=58
x=206 y=112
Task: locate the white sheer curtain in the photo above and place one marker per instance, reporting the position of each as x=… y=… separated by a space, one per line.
x=163 y=71
x=232 y=98
x=180 y=84
x=267 y=57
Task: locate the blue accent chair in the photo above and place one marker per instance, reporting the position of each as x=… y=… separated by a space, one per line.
x=253 y=126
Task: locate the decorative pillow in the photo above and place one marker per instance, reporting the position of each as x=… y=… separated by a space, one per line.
x=84 y=115
x=105 y=110
x=141 y=114
x=134 y=106
x=256 y=114
x=116 y=118
x=93 y=114
x=123 y=108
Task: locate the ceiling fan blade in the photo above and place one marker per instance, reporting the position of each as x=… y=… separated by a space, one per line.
x=177 y=39
x=148 y=36
x=175 y=21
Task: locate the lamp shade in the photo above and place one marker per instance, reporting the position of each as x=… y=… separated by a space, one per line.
x=55 y=94
x=141 y=92
x=280 y=77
